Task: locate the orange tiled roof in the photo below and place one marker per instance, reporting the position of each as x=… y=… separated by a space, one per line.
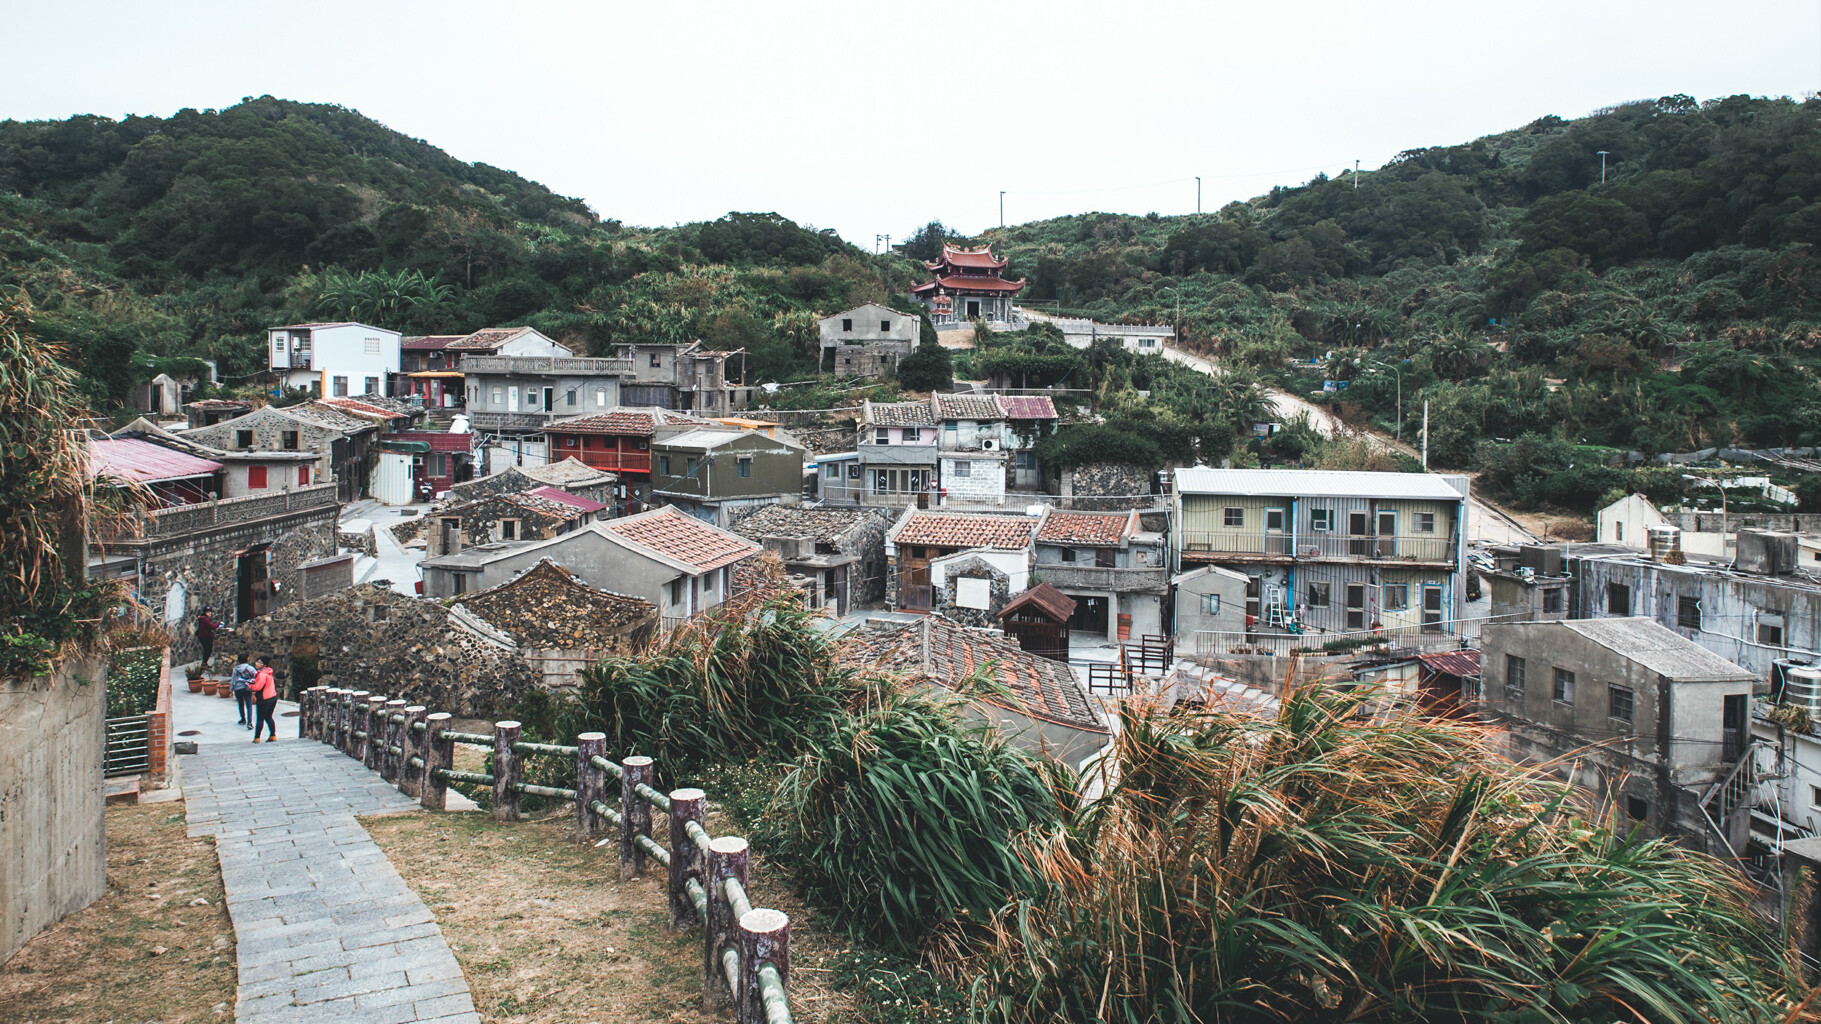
x=942 y=652
x=1102 y=528
x=685 y=539
x=961 y=530
x=632 y=422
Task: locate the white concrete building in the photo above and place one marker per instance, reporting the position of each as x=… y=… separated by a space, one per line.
x=333 y=360
x=868 y=340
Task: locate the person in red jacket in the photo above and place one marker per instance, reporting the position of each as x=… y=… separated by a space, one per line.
x=265 y=693
x=205 y=634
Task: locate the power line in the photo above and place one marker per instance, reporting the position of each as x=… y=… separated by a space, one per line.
x=1169 y=181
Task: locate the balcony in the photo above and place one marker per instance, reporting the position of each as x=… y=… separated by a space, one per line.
x=1113 y=580
x=513 y=421
x=1421 y=549
x=547 y=366
x=874 y=454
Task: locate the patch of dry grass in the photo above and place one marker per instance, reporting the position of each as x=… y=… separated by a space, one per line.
x=145 y=951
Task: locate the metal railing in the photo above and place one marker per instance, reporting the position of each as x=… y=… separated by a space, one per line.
x=128 y=746
x=1321 y=546
x=745 y=950
x=1441 y=635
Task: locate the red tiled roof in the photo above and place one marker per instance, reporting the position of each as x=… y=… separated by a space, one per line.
x=429 y=342
x=634 y=422
x=1102 y=528
x=1052 y=603
x=969 y=283
x=142 y=462
x=935 y=649
x=960 y=530
x=682 y=538
x=486 y=339
x=954 y=257
x=565 y=498
x=1453 y=663
x=1028 y=407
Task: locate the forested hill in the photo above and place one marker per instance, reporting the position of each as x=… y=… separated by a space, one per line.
x=1675 y=306
x=184 y=236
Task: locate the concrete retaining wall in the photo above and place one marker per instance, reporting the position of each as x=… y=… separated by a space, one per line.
x=53 y=852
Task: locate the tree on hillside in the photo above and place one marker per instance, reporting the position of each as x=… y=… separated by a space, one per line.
x=930 y=368
x=927 y=241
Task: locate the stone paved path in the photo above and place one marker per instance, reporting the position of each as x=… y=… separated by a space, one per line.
x=326 y=929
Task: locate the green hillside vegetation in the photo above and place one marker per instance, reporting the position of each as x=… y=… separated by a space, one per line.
x=1675 y=307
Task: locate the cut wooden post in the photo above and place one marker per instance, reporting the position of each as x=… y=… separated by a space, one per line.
x=590 y=784
x=357 y=700
x=411 y=779
x=764 y=939
x=390 y=763
x=375 y=749
x=505 y=771
x=439 y=754
x=635 y=815
x=686 y=805
x=331 y=715
x=727 y=858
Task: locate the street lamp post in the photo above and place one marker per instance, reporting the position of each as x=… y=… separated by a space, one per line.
x=1400 y=398
x=1602 y=165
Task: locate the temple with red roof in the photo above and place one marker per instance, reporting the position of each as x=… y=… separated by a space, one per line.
x=969 y=285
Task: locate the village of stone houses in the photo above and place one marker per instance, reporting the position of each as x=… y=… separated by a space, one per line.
x=982 y=650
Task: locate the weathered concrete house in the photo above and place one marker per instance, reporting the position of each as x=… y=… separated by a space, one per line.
x=538 y=514
x=685 y=377
x=868 y=340
x=242 y=473
x=971 y=446
x=1208 y=598
x=1028 y=420
x=1117 y=571
x=712 y=473
x=840 y=550
x=339 y=441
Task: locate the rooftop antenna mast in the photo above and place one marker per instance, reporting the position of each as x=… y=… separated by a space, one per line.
x=1356 y=175
x=1602 y=153
x=1198 y=193
x=1002 y=208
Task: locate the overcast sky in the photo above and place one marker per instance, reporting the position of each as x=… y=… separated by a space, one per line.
x=876 y=117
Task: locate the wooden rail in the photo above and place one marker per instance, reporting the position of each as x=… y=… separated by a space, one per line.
x=745 y=950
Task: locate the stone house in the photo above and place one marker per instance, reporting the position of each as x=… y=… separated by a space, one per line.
x=568 y=475
x=868 y=340
x=561 y=625
x=711 y=473
x=919 y=550
x=1117 y=571
x=538 y=514
x=840 y=550
x=241 y=473
x=897 y=454
x=678 y=563
x=206 y=412
x=1042 y=706
x=1642 y=718
x=1102 y=485
x=390 y=414
x=339 y=441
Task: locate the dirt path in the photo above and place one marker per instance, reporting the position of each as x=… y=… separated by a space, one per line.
x=547 y=934
x=147 y=950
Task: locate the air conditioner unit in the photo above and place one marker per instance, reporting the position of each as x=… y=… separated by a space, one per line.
x=989 y=445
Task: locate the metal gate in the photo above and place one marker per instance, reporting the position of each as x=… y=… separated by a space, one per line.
x=128 y=752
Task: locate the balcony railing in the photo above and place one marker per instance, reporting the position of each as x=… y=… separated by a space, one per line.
x=1440 y=635
x=508 y=420
x=181 y=519
x=1091 y=577
x=570 y=366
x=873 y=454
x=1322 y=547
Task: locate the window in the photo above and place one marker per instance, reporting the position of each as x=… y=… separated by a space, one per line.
x=569 y=399
x=655 y=361
x=316 y=389
x=1619 y=702
x=600 y=397
x=460 y=580
x=1321 y=520
x=530 y=398
x=1814 y=796
x=1423 y=522
x=964 y=469
x=1068 y=555
x=372 y=386
x=832 y=470
x=1618 y=531
x=1618 y=599
x=303 y=476
x=689 y=467
x=882 y=436
x=1387 y=524
x=1234 y=517
x=664 y=464
x=1552 y=599
x=676 y=585
x=243 y=439
x=256 y=478
x=950 y=426
x=1769 y=635
x=508 y=529
x=341 y=387
x=1514 y=677
x=1104 y=558
x=1274 y=520
x=1396 y=597
x=499 y=395
x=1318 y=595
x=1210 y=604
x=370 y=346
x=847 y=325
x=1688 y=612
x=288 y=440
x=1564 y=686
x=885 y=325
x=744 y=466
x=1638 y=808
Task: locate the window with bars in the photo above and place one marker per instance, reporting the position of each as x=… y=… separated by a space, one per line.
x=1619 y=702
x=1563 y=690
x=1514 y=677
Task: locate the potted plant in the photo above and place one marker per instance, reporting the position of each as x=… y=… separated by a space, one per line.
x=194 y=674
x=208 y=687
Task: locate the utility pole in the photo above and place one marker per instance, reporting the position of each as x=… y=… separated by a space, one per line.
x=1356 y=175
x=1602 y=166
x=1425 y=435
x=1198 y=193
x=876 y=240
x=1002 y=208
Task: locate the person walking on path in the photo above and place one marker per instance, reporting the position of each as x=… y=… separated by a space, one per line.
x=205 y=634
x=241 y=682
x=265 y=691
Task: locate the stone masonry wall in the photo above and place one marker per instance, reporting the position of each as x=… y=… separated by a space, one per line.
x=866 y=540
x=1102 y=486
x=974 y=568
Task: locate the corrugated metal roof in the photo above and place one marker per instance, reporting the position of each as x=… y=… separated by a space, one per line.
x=562 y=497
x=1453 y=663
x=1658 y=648
x=1313 y=483
x=142 y=462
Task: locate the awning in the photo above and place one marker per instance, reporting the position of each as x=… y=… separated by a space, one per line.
x=419 y=447
x=435 y=373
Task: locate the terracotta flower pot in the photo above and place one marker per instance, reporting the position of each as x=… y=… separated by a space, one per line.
x=224 y=690
x=195 y=686
x=208 y=687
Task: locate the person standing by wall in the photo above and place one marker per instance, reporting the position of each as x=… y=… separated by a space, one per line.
x=205 y=634
x=241 y=681
x=265 y=692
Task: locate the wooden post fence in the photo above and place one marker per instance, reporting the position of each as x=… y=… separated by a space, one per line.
x=590 y=784
x=635 y=816
x=687 y=807
x=439 y=760
x=505 y=771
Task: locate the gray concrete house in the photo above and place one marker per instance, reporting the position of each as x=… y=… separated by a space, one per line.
x=1209 y=598
x=678 y=563
x=1117 y=572
x=339 y=440
x=841 y=551
x=516 y=397
x=712 y=471
x=1633 y=712
x=686 y=377
x=868 y=340
x=897 y=454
